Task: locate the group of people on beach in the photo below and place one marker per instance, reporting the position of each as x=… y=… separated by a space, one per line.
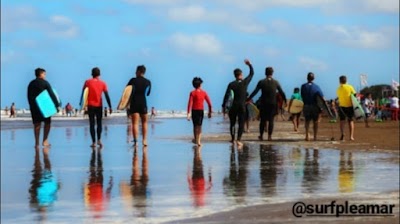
x=235 y=108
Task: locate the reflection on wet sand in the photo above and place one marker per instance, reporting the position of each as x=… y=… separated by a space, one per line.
x=269 y=163
x=68 y=133
x=235 y=185
x=313 y=175
x=44 y=187
x=346 y=172
x=94 y=197
x=135 y=194
x=197 y=183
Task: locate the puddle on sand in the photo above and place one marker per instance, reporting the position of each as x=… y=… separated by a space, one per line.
x=171 y=180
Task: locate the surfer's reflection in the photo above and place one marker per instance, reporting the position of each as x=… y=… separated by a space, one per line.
x=268 y=169
x=136 y=192
x=346 y=173
x=312 y=174
x=68 y=133
x=128 y=133
x=12 y=135
x=197 y=183
x=94 y=197
x=236 y=184
x=44 y=186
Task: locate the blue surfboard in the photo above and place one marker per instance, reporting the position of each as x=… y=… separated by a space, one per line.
x=229 y=102
x=46 y=104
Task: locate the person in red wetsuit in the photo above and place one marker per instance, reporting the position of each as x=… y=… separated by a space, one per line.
x=94 y=103
x=196 y=108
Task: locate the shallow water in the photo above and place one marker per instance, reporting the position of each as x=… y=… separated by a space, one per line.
x=169 y=180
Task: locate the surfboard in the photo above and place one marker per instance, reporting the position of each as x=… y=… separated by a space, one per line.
x=229 y=103
x=324 y=106
x=296 y=107
x=358 y=111
x=46 y=104
x=126 y=95
x=85 y=98
x=253 y=110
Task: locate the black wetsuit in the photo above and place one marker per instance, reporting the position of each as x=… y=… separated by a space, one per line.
x=268 y=102
x=238 y=108
x=36 y=87
x=138 y=102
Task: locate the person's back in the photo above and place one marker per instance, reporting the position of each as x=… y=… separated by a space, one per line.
x=346 y=110
x=269 y=87
x=344 y=92
x=96 y=88
x=140 y=88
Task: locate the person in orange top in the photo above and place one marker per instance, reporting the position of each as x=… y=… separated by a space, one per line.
x=196 y=108
x=94 y=103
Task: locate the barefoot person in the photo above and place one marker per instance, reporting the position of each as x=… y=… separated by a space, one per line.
x=268 y=102
x=95 y=105
x=345 y=106
x=196 y=108
x=311 y=110
x=35 y=87
x=238 y=108
x=295 y=117
x=138 y=104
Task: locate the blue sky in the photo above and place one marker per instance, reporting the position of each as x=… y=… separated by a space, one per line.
x=180 y=39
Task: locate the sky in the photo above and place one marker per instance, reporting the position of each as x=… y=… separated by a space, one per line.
x=180 y=39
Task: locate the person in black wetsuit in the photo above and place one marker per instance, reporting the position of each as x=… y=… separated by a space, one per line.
x=238 y=107
x=36 y=87
x=268 y=102
x=141 y=88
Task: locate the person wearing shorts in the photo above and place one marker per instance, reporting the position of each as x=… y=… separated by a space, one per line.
x=345 y=106
x=195 y=108
x=311 y=110
x=95 y=105
x=141 y=87
x=295 y=117
x=36 y=87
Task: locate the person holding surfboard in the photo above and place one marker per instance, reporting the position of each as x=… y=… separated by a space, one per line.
x=268 y=102
x=95 y=88
x=346 y=110
x=295 y=116
x=35 y=88
x=235 y=101
x=309 y=92
x=195 y=108
x=141 y=88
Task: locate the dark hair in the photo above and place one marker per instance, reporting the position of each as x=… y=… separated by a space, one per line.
x=39 y=71
x=296 y=90
x=237 y=72
x=141 y=69
x=343 y=79
x=197 y=81
x=95 y=72
x=310 y=77
x=269 y=71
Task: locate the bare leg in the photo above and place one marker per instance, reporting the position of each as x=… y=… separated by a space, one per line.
x=197 y=135
x=46 y=132
x=315 y=130
x=144 y=128
x=36 y=130
x=297 y=122
x=351 y=128
x=135 y=127
x=294 y=121
x=307 y=126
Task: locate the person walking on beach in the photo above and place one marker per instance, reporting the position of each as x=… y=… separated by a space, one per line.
x=238 y=108
x=195 y=108
x=153 y=113
x=345 y=106
x=295 y=117
x=6 y=110
x=36 y=87
x=309 y=92
x=95 y=105
x=268 y=102
x=368 y=105
x=394 y=107
x=141 y=87
x=13 y=111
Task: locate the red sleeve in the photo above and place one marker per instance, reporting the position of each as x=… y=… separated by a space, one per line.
x=190 y=103
x=208 y=102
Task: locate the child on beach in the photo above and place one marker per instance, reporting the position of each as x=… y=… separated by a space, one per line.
x=295 y=117
x=195 y=108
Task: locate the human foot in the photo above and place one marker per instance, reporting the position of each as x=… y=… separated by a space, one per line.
x=93 y=145
x=99 y=143
x=46 y=143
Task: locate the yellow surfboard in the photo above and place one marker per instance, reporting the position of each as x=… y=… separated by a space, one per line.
x=85 y=98
x=296 y=107
x=126 y=95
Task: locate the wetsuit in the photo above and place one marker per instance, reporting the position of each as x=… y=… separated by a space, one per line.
x=36 y=87
x=238 y=108
x=95 y=105
x=268 y=102
x=196 y=105
x=138 y=102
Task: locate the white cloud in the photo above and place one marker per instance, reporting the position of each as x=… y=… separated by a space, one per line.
x=154 y=2
x=202 y=44
x=390 y=6
x=12 y=56
x=312 y=64
x=61 y=26
x=196 y=13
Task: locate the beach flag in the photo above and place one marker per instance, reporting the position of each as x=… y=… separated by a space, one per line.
x=395 y=85
x=363 y=79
